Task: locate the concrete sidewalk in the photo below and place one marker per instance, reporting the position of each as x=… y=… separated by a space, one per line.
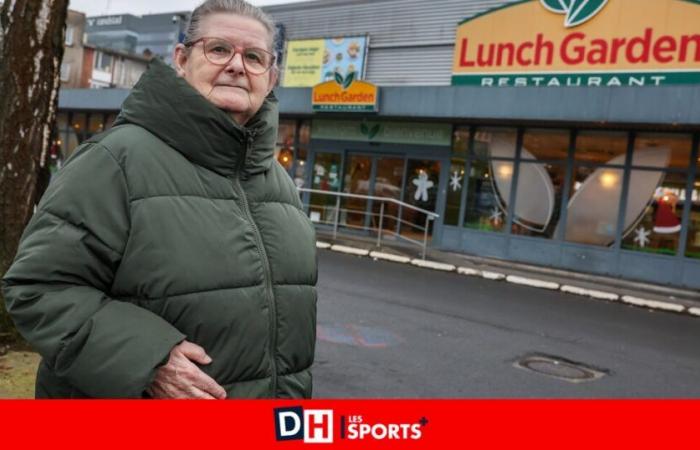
x=633 y=293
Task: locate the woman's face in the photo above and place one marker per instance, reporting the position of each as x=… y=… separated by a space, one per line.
x=229 y=87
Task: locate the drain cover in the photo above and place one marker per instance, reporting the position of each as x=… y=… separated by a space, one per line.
x=559 y=368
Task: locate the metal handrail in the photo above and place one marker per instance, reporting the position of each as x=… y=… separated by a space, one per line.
x=429 y=215
x=370 y=197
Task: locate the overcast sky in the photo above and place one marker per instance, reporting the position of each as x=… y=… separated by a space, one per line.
x=139 y=7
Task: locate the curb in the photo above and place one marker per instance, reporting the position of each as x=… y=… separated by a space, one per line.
x=653 y=305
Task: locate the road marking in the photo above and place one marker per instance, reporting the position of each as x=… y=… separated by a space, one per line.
x=493 y=275
x=532 y=282
x=350 y=250
x=433 y=265
x=496 y=276
x=468 y=271
x=390 y=257
x=654 y=304
x=600 y=295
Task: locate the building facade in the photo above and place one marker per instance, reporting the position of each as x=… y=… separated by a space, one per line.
x=536 y=132
x=147 y=35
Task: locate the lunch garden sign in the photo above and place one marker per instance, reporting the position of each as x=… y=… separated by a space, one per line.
x=580 y=43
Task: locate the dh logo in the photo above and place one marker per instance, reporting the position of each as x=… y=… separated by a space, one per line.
x=577 y=11
x=314 y=426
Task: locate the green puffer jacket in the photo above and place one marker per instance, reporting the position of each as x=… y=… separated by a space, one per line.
x=175 y=224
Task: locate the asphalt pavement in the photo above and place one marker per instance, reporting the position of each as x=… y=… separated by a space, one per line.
x=388 y=330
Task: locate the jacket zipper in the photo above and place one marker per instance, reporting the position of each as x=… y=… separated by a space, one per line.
x=269 y=294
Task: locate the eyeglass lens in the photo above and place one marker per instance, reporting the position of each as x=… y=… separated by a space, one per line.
x=255 y=60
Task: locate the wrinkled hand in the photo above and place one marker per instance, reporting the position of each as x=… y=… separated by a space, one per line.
x=181 y=378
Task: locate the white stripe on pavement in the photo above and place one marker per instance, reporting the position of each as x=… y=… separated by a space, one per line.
x=654 y=304
x=600 y=295
x=532 y=282
x=493 y=275
x=468 y=271
x=390 y=257
x=433 y=265
x=349 y=250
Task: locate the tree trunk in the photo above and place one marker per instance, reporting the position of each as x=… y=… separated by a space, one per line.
x=32 y=34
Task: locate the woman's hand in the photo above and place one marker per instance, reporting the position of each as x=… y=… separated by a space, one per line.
x=181 y=378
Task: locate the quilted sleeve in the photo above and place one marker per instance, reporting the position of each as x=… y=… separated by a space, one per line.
x=56 y=290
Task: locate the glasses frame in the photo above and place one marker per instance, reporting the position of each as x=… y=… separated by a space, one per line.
x=236 y=50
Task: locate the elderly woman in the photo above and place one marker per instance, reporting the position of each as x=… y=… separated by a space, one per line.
x=171 y=257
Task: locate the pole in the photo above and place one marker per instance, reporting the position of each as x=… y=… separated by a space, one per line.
x=381 y=225
x=337 y=215
x=425 y=235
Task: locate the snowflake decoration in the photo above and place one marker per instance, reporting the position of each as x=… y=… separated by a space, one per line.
x=456 y=181
x=422 y=185
x=642 y=237
x=496 y=214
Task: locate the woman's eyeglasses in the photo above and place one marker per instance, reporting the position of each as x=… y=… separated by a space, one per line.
x=220 y=52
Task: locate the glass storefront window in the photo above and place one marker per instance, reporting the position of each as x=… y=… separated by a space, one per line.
x=454 y=192
x=654 y=211
x=78 y=124
x=601 y=147
x=692 y=249
x=95 y=124
x=495 y=143
x=422 y=181
x=460 y=142
x=594 y=205
x=284 y=150
x=326 y=177
x=301 y=153
x=538 y=199
x=110 y=121
x=485 y=206
x=662 y=150
x=545 y=145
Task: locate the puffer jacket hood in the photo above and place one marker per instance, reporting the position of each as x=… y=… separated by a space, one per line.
x=168 y=107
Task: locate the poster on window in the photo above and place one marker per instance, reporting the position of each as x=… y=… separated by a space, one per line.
x=309 y=62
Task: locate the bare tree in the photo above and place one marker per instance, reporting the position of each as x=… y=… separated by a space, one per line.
x=32 y=34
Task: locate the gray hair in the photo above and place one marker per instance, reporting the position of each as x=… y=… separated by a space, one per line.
x=239 y=7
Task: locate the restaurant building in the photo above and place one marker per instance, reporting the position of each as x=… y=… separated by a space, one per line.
x=563 y=134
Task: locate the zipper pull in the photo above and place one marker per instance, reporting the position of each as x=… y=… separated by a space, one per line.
x=250 y=139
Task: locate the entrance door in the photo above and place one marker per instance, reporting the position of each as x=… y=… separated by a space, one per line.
x=422 y=187
x=388 y=182
x=358 y=171
x=376 y=176
x=325 y=177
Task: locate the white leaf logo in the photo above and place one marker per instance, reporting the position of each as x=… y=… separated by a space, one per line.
x=576 y=11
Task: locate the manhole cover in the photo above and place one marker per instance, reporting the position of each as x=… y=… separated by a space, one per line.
x=560 y=368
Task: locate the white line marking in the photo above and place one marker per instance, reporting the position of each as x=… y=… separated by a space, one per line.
x=654 y=304
x=532 y=282
x=350 y=250
x=320 y=244
x=468 y=271
x=600 y=295
x=390 y=257
x=433 y=265
x=493 y=275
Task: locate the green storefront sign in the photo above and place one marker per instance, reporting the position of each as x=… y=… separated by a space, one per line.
x=386 y=132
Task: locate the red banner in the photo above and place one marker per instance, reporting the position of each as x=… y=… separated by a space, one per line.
x=359 y=424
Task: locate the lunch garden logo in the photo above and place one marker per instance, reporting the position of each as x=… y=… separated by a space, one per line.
x=576 y=11
x=345 y=94
x=604 y=43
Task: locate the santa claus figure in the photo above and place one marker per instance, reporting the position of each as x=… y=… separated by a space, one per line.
x=665 y=219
